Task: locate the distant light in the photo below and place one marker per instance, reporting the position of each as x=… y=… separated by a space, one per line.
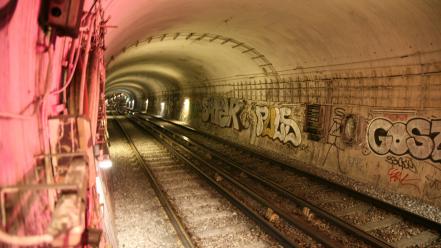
x=105 y=163
x=185 y=109
x=146 y=105
x=162 y=108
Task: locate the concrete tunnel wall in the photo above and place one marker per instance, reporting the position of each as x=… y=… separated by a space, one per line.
x=348 y=88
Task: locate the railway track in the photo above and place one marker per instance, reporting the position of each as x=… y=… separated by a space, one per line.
x=134 y=201
x=288 y=227
x=201 y=217
x=322 y=204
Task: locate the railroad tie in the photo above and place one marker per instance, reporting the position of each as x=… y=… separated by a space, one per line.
x=388 y=221
x=424 y=238
x=358 y=208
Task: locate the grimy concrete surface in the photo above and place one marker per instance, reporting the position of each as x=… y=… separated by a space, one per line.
x=352 y=87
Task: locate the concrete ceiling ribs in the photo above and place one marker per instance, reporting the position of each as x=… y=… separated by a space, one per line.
x=176 y=46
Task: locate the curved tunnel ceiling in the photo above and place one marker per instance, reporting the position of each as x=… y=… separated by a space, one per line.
x=188 y=59
x=168 y=45
x=136 y=91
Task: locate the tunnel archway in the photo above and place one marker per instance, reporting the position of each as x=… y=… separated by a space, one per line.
x=329 y=67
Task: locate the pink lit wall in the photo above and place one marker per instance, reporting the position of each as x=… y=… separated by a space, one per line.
x=24 y=83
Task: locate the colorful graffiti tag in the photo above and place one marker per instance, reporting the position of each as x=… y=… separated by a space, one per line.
x=402 y=178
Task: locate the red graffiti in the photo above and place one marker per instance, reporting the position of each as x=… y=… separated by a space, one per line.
x=397 y=175
x=396 y=117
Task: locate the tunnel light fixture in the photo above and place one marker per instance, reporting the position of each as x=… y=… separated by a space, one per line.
x=105 y=163
x=162 y=108
x=185 y=109
x=186 y=106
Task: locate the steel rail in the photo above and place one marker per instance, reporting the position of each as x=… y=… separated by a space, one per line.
x=266 y=225
x=298 y=200
x=178 y=225
x=293 y=220
x=406 y=214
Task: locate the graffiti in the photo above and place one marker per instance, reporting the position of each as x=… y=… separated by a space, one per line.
x=247 y=116
x=348 y=129
x=419 y=138
x=397 y=175
x=433 y=188
x=403 y=163
x=355 y=161
x=434 y=184
x=365 y=149
x=335 y=129
x=334 y=136
x=222 y=111
x=396 y=116
x=276 y=124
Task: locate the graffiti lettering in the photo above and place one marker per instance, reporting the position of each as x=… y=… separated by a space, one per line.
x=275 y=123
x=335 y=129
x=247 y=116
x=397 y=175
x=355 y=161
x=418 y=137
x=222 y=111
x=434 y=183
x=404 y=163
x=433 y=188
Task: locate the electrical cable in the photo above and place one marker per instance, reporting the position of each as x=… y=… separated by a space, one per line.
x=77 y=56
x=71 y=74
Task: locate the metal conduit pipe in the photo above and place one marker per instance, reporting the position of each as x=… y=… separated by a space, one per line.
x=25 y=240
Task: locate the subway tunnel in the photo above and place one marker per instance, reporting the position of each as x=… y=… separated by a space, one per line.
x=220 y=123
